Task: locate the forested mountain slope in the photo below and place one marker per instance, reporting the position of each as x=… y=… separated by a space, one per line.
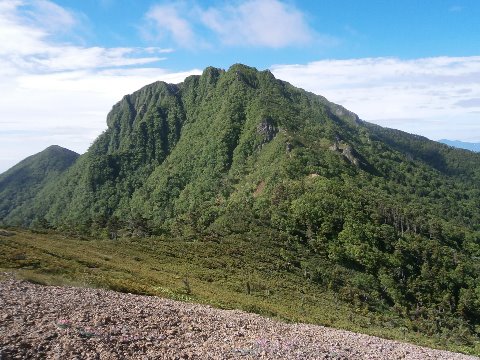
x=20 y=184
x=381 y=217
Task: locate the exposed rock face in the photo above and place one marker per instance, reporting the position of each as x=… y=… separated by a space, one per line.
x=38 y=322
x=288 y=147
x=267 y=130
x=334 y=146
x=348 y=153
x=341 y=112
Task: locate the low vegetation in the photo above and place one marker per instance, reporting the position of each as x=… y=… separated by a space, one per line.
x=241 y=272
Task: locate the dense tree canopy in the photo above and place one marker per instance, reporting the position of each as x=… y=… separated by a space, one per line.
x=20 y=184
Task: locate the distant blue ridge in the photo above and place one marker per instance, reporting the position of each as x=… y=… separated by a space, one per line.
x=461 y=144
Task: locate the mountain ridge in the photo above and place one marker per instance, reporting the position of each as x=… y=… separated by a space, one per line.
x=381 y=217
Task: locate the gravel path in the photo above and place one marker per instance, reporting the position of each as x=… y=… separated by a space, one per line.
x=49 y=322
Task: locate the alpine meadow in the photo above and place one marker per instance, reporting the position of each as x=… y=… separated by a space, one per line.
x=237 y=189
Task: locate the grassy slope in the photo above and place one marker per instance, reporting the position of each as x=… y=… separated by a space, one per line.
x=215 y=272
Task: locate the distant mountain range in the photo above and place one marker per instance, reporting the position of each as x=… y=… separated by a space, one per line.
x=386 y=219
x=462 y=145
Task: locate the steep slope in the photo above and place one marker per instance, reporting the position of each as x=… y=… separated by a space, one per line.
x=169 y=148
x=20 y=184
x=387 y=220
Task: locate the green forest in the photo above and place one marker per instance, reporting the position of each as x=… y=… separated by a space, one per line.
x=386 y=220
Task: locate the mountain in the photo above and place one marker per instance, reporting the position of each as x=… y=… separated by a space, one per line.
x=20 y=184
x=461 y=144
x=386 y=219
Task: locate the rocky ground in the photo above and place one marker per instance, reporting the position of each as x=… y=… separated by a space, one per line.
x=49 y=322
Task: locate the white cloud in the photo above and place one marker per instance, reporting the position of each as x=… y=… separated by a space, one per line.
x=26 y=28
x=436 y=97
x=50 y=16
x=167 y=19
x=258 y=23
x=269 y=23
x=17 y=37
x=72 y=57
x=53 y=92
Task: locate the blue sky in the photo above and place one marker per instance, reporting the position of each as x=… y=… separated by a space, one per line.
x=411 y=64
x=341 y=29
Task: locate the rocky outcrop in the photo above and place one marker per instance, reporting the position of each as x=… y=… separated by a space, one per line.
x=267 y=130
x=348 y=152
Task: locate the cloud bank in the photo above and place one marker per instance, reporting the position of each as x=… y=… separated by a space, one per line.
x=438 y=97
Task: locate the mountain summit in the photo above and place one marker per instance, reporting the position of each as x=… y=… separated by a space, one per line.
x=383 y=217
x=20 y=184
x=171 y=150
x=191 y=150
